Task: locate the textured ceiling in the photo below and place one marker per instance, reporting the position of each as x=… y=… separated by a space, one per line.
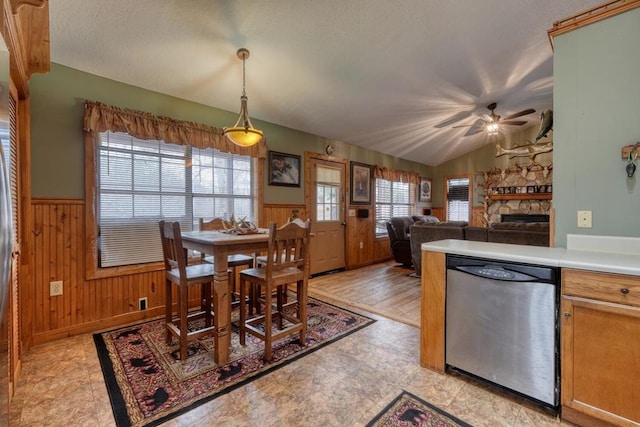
x=391 y=76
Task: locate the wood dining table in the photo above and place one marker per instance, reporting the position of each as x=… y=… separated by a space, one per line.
x=221 y=245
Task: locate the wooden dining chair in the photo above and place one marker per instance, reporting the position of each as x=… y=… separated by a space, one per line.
x=287 y=263
x=235 y=261
x=184 y=276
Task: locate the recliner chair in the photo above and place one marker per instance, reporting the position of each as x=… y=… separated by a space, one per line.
x=398 y=230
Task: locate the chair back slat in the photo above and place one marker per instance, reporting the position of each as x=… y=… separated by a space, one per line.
x=172 y=248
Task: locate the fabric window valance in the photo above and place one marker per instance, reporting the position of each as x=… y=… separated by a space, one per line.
x=396 y=175
x=99 y=117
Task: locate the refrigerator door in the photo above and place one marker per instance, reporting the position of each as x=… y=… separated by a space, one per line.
x=6 y=228
x=5 y=232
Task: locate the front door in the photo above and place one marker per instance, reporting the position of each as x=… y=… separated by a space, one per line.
x=326 y=189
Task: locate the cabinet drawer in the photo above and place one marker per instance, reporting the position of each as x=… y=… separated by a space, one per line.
x=609 y=287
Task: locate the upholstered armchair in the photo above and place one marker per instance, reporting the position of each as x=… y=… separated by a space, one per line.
x=398 y=229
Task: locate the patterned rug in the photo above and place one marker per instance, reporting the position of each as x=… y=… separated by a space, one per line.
x=148 y=386
x=409 y=410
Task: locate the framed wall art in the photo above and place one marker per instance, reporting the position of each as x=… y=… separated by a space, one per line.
x=424 y=190
x=360 y=184
x=284 y=169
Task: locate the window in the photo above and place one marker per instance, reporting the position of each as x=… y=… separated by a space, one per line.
x=458 y=198
x=143 y=181
x=328 y=182
x=392 y=199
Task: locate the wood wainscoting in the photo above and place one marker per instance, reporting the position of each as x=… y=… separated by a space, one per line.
x=280 y=213
x=58 y=251
x=58 y=254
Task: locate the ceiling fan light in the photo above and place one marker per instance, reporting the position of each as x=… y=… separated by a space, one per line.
x=492 y=128
x=242 y=132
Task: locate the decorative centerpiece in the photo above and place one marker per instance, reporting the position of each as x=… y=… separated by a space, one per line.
x=241 y=226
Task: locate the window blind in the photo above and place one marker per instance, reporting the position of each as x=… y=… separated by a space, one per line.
x=458 y=199
x=141 y=182
x=392 y=199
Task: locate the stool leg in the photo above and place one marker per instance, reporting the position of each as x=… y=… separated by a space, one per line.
x=208 y=318
x=184 y=310
x=168 y=310
x=267 y=323
x=243 y=311
x=279 y=303
x=302 y=309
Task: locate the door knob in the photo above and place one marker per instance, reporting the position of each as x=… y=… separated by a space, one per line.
x=624 y=290
x=567 y=314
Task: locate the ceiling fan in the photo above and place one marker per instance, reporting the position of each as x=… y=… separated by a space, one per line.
x=492 y=122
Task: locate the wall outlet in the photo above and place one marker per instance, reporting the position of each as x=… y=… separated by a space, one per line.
x=352 y=212
x=55 y=288
x=361 y=245
x=142 y=303
x=584 y=219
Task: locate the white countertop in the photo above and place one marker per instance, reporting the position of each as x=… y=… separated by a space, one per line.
x=609 y=262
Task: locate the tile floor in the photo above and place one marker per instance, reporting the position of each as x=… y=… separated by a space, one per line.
x=344 y=384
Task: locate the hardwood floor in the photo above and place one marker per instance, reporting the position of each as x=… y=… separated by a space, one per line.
x=385 y=289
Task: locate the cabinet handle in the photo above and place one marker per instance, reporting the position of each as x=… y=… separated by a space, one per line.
x=567 y=314
x=624 y=290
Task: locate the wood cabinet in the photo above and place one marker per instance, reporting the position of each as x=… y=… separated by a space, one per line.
x=600 y=329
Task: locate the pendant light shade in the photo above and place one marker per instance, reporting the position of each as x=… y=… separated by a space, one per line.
x=242 y=132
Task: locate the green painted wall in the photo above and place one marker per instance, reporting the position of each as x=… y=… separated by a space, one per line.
x=484 y=159
x=57 y=140
x=597 y=112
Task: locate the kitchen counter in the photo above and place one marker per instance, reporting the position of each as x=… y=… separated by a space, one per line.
x=610 y=259
x=603 y=254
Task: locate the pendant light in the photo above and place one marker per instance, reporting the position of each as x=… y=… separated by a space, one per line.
x=243 y=133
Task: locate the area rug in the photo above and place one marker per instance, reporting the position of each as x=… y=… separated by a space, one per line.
x=147 y=385
x=409 y=410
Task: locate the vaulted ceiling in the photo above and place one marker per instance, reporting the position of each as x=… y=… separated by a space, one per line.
x=391 y=76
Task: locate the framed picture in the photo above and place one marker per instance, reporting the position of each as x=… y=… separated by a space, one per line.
x=424 y=190
x=284 y=169
x=360 y=184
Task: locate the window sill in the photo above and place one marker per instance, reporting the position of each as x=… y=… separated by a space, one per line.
x=104 y=273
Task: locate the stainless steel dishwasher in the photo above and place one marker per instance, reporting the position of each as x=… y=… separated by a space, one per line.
x=501 y=324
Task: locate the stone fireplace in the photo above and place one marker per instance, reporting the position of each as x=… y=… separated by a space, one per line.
x=520 y=189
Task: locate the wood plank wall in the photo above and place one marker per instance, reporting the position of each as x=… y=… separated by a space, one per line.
x=85 y=305
x=280 y=213
x=89 y=305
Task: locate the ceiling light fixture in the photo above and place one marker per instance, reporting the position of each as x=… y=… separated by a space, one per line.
x=492 y=128
x=243 y=133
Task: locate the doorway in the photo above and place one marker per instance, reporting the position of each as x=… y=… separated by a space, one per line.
x=325 y=188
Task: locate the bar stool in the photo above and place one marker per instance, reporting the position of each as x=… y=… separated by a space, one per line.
x=261 y=261
x=287 y=262
x=184 y=276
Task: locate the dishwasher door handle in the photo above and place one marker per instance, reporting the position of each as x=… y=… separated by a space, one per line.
x=495 y=272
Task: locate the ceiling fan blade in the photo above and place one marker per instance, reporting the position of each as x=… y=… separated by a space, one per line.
x=474 y=131
x=461 y=126
x=513 y=122
x=520 y=114
x=453 y=119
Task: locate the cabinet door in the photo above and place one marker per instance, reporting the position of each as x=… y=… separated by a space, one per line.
x=601 y=361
